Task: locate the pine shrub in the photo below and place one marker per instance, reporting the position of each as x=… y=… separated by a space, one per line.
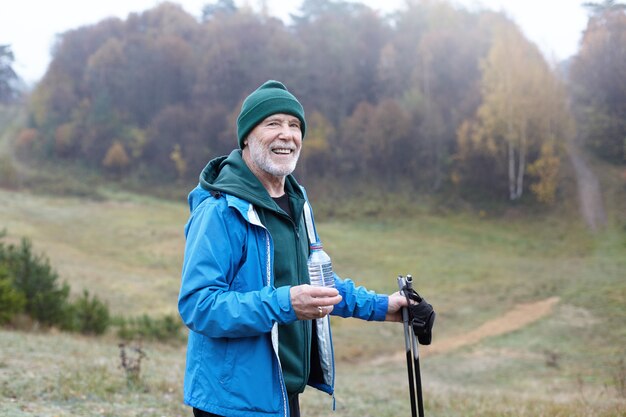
x=32 y=275
x=166 y=328
x=88 y=315
x=12 y=301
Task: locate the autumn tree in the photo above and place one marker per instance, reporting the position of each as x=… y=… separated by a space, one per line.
x=61 y=97
x=523 y=108
x=116 y=159
x=179 y=162
x=431 y=67
x=321 y=137
x=375 y=141
x=385 y=95
x=238 y=52
x=175 y=127
x=64 y=138
x=353 y=153
x=148 y=67
x=343 y=42
x=448 y=75
x=546 y=170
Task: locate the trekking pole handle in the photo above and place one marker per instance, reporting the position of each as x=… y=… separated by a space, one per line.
x=409 y=282
x=402 y=286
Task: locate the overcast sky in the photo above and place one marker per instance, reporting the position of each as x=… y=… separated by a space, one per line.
x=30 y=25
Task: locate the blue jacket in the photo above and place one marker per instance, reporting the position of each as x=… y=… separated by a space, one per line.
x=229 y=302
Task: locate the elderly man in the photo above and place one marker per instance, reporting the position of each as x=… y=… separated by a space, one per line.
x=254 y=341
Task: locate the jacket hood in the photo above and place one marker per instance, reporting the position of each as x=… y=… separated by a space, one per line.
x=230 y=174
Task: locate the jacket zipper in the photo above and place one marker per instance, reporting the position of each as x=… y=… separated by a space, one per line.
x=268 y=270
x=253 y=218
x=307 y=335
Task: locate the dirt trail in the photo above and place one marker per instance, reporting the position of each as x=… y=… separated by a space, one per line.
x=589 y=196
x=520 y=316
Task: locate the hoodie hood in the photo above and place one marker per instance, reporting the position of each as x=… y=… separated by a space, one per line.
x=230 y=175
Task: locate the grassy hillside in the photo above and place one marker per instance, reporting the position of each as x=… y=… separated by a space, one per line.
x=531 y=318
x=127 y=249
x=473 y=269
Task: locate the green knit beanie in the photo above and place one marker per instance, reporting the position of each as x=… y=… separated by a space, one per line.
x=270 y=98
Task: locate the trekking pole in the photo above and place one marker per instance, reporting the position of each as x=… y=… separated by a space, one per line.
x=416 y=358
x=408 y=346
x=412 y=353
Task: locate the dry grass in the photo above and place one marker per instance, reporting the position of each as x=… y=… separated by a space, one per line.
x=53 y=374
x=56 y=374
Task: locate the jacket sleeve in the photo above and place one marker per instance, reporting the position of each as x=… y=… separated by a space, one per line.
x=215 y=249
x=359 y=302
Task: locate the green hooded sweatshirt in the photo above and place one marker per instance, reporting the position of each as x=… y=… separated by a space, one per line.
x=231 y=175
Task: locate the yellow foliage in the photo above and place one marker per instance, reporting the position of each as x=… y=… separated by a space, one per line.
x=524 y=111
x=38 y=104
x=116 y=158
x=546 y=170
x=179 y=162
x=319 y=132
x=137 y=140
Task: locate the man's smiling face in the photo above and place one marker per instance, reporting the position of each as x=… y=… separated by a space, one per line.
x=274 y=145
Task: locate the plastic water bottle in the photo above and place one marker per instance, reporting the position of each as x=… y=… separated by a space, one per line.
x=320 y=267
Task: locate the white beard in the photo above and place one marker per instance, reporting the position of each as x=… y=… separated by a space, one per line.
x=262 y=157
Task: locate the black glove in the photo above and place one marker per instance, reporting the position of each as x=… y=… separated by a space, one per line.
x=421 y=316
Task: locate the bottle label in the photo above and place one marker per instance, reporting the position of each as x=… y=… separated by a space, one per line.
x=322 y=275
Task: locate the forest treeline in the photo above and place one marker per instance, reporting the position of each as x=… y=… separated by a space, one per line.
x=429 y=97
